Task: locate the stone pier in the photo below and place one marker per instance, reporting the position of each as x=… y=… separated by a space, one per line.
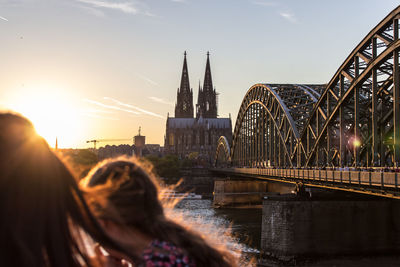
x=232 y=193
x=330 y=230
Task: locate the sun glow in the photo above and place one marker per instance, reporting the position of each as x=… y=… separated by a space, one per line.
x=53 y=112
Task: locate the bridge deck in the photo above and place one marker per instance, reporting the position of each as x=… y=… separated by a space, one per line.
x=369 y=182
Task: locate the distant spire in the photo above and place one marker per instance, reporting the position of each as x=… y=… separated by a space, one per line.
x=207 y=100
x=185 y=85
x=208 y=86
x=184 y=103
x=140 y=128
x=56 y=147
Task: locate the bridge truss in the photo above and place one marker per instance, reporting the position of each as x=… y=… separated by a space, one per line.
x=352 y=121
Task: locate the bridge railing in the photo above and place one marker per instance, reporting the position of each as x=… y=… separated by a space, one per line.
x=363 y=178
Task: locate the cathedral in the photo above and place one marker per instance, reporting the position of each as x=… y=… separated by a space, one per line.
x=188 y=132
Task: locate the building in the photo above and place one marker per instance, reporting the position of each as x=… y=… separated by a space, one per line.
x=129 y=150
x=116 y=151
x=184 y=132
x=139 y=142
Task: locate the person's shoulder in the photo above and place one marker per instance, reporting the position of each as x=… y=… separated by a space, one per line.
x=166 y=254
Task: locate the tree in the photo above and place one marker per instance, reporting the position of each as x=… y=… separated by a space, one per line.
x=80 y=161
x=166 y=167
x=85 y=157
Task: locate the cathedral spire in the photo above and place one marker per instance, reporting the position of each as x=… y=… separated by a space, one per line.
x=184 y=101
x=207 y=99
x=208 y=86
x=185 y=85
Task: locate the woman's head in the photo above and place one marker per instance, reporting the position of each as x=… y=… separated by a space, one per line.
x=125 y=193
x=42 y=209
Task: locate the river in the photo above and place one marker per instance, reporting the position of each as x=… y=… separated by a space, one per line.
x=238 y=229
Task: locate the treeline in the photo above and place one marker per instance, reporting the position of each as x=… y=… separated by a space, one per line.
x=167 y=167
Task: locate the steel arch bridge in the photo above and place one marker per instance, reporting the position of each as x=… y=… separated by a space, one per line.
x=268 y=126
x=352 y=121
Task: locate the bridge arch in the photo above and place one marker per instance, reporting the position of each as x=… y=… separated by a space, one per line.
x=268 y=125
x=356 y=121
x=223 y=153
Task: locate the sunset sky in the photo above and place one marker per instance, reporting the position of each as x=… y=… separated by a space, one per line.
x=99 y=69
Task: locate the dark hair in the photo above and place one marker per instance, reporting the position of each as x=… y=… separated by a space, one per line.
x=43 y=212
x=131 y=195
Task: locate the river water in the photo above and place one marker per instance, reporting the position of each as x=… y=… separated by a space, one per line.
x=237 y=229
x=240 y=231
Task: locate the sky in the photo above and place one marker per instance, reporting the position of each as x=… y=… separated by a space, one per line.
x=99 y=69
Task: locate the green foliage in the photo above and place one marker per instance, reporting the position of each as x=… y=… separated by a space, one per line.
x=187 y=163
x=85 y=157
x=166 y=167
x=80 y=160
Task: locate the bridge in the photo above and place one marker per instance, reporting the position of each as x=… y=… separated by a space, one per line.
x=341 y=135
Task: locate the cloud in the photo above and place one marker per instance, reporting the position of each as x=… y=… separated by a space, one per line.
x=149 y=14
x=134 y=107
x=97 y=7
x=288 y=16
x=160 y=100
x=125 y=7
x=147 y=79
x=3 y=18
x=265 y=3
x=93 y=11
x=110 y=106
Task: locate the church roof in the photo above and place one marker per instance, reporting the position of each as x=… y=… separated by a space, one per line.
x=181 y=123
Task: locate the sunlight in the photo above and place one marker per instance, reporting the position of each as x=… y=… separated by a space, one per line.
x=53 y=113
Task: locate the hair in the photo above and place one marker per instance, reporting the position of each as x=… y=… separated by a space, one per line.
x=44 y=215
x=122 y=190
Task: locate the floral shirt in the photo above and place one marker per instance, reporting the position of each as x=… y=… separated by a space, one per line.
x=165 y=254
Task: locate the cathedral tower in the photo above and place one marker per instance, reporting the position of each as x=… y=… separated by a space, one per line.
x=184 y=102
x=207 y=98
x=185 y=134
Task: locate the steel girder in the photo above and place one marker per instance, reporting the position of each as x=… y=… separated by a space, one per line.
x=356 y=121
x=268 y=124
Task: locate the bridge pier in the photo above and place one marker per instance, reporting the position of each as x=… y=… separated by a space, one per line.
x=246 y=192
x=233 y=193
x=328 y=230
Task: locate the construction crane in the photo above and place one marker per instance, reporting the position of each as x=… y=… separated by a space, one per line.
x=95 y=141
